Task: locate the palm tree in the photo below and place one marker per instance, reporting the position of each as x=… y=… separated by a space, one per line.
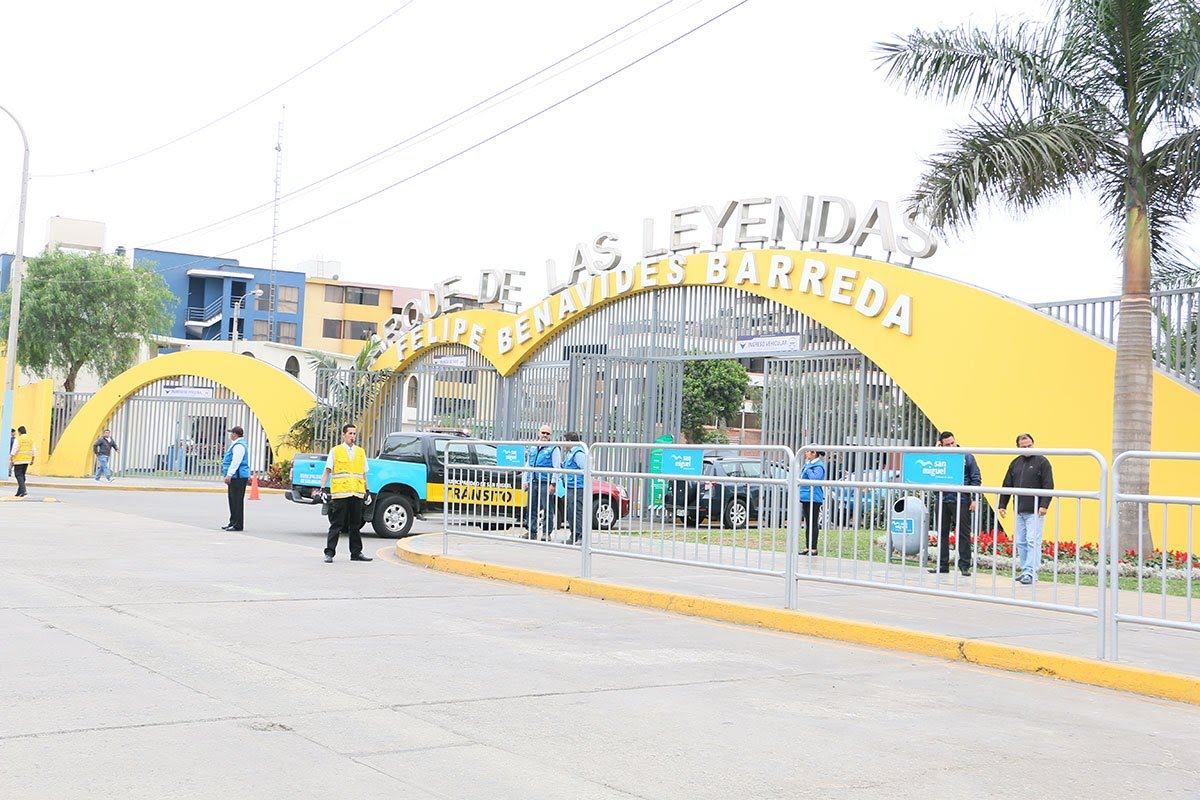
x=344 y=395
x=1104 y=96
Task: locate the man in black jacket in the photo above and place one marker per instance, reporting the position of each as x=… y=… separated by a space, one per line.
x=1028 y=472
x=955 y=510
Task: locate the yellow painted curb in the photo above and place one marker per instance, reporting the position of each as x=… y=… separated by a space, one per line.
x=1105 y=674
x=129 y=488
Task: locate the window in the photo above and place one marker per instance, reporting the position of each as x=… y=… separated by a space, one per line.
x=331 y=329
x=267 y=297
x=289 y=299
x=292 y=367
x=401 y=447
x=358 y=330
x=485 y=454
x=362 y=296
x=458 y=452
x=287 y=333
x=335 y=294
x=262 y=331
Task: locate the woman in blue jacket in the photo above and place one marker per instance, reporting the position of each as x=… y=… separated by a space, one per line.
x=811 y=498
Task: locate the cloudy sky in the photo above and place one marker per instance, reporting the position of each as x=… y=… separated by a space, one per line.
x=772 y=97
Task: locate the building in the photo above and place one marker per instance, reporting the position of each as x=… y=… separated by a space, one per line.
x=213 y=292
x=339 y=316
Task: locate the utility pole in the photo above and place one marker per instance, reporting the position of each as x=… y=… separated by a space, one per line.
x=14 y=309
x=273 y=296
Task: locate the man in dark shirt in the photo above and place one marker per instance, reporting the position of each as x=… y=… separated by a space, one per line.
x=955 y=510
x=1028 y=472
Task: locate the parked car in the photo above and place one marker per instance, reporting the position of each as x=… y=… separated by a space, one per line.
x=869 y=502
x=734 y=503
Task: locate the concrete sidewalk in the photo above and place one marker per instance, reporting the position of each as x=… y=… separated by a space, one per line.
x=1141 y=646
x=132 y=483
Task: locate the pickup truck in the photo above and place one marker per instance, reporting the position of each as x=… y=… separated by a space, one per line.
x=407 y=478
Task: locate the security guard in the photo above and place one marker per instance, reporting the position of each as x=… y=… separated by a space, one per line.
x=21 y=456
x=348 y=466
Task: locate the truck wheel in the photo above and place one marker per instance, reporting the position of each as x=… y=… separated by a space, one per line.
x=604 y=514
x=393 y=516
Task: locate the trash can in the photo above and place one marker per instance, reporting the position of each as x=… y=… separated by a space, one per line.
x=908 y=528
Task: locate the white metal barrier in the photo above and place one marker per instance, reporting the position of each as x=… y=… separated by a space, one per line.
x=737 y=508
x=1154 y=586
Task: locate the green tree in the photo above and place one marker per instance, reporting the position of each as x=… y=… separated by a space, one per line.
x=87 y=310
x=345 y=395
x=712 y=389
x=1103 y=96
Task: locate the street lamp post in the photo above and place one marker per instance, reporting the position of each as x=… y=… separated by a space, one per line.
x=14 y=308
x=237 y=307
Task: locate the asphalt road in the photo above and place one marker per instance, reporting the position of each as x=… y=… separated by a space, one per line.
x=146 y=654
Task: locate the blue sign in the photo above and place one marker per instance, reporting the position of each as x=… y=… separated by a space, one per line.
x=934 y=468
x=682 y=462
x=510 y=455
x=903 y=526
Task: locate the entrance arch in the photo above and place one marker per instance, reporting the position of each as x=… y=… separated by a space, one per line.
x=274 y=397
x=975 y=362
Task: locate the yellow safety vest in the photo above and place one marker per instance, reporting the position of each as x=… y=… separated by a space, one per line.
x=24 y=453
x=349 y=478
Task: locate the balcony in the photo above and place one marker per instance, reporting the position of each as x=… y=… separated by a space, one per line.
x=201 y=318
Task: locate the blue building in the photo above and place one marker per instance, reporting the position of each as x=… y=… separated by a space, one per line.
x=212 y=291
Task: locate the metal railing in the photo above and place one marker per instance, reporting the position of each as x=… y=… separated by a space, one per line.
x=203 y=314
x=1176 y=326
x=66 y=406
x=1165 y=581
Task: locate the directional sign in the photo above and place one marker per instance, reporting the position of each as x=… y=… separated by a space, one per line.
x=945 y=469
x=756 y=345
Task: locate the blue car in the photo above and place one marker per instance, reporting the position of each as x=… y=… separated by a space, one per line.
x=868 y=502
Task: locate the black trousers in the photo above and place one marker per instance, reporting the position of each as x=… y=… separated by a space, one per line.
x=19 y=471
x=345 y=516
x=237 y=503
x=812 y=522
x=956 y=516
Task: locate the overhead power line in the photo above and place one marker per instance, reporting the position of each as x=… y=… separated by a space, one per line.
x=230 y=113
x=414 y=137
x=459 y=153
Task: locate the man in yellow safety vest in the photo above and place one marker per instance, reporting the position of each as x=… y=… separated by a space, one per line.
x=347 y=465
x=20 y=456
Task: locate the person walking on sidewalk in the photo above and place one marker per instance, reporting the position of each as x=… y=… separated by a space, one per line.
x=104 y=447
x=1028 y=472
x=236 y=466
x=576 y=461
x=811 y=498
x=347 y=466
x=21 y=454
x=955 y=512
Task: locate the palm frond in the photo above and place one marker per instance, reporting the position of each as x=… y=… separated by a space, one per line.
x=1005 y=159
x=1021 y=64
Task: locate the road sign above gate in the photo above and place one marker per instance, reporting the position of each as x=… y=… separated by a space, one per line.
x=759 y=345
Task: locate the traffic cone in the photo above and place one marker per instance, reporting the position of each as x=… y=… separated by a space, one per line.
x=254 y=487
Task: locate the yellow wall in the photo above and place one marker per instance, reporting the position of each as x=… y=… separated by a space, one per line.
x=32 y=405
x=975 y=362
x=274 y=397
x=317 y=309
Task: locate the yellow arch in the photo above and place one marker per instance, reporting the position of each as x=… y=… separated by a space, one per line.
x=275 y=398
x=975 y=362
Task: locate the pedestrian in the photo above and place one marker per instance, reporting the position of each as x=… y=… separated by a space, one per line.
x=12 y=439
x=21 y=454
x=1030 y=471
x=540 y=487
x=236 y=466
x=346 y=475
x=576 y=461
x=104 y=447
x=955 y=512
x=811 y=498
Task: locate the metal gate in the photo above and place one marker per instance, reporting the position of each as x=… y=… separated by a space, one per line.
x=622 y=399
x=179 y=428
x=841 y=398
